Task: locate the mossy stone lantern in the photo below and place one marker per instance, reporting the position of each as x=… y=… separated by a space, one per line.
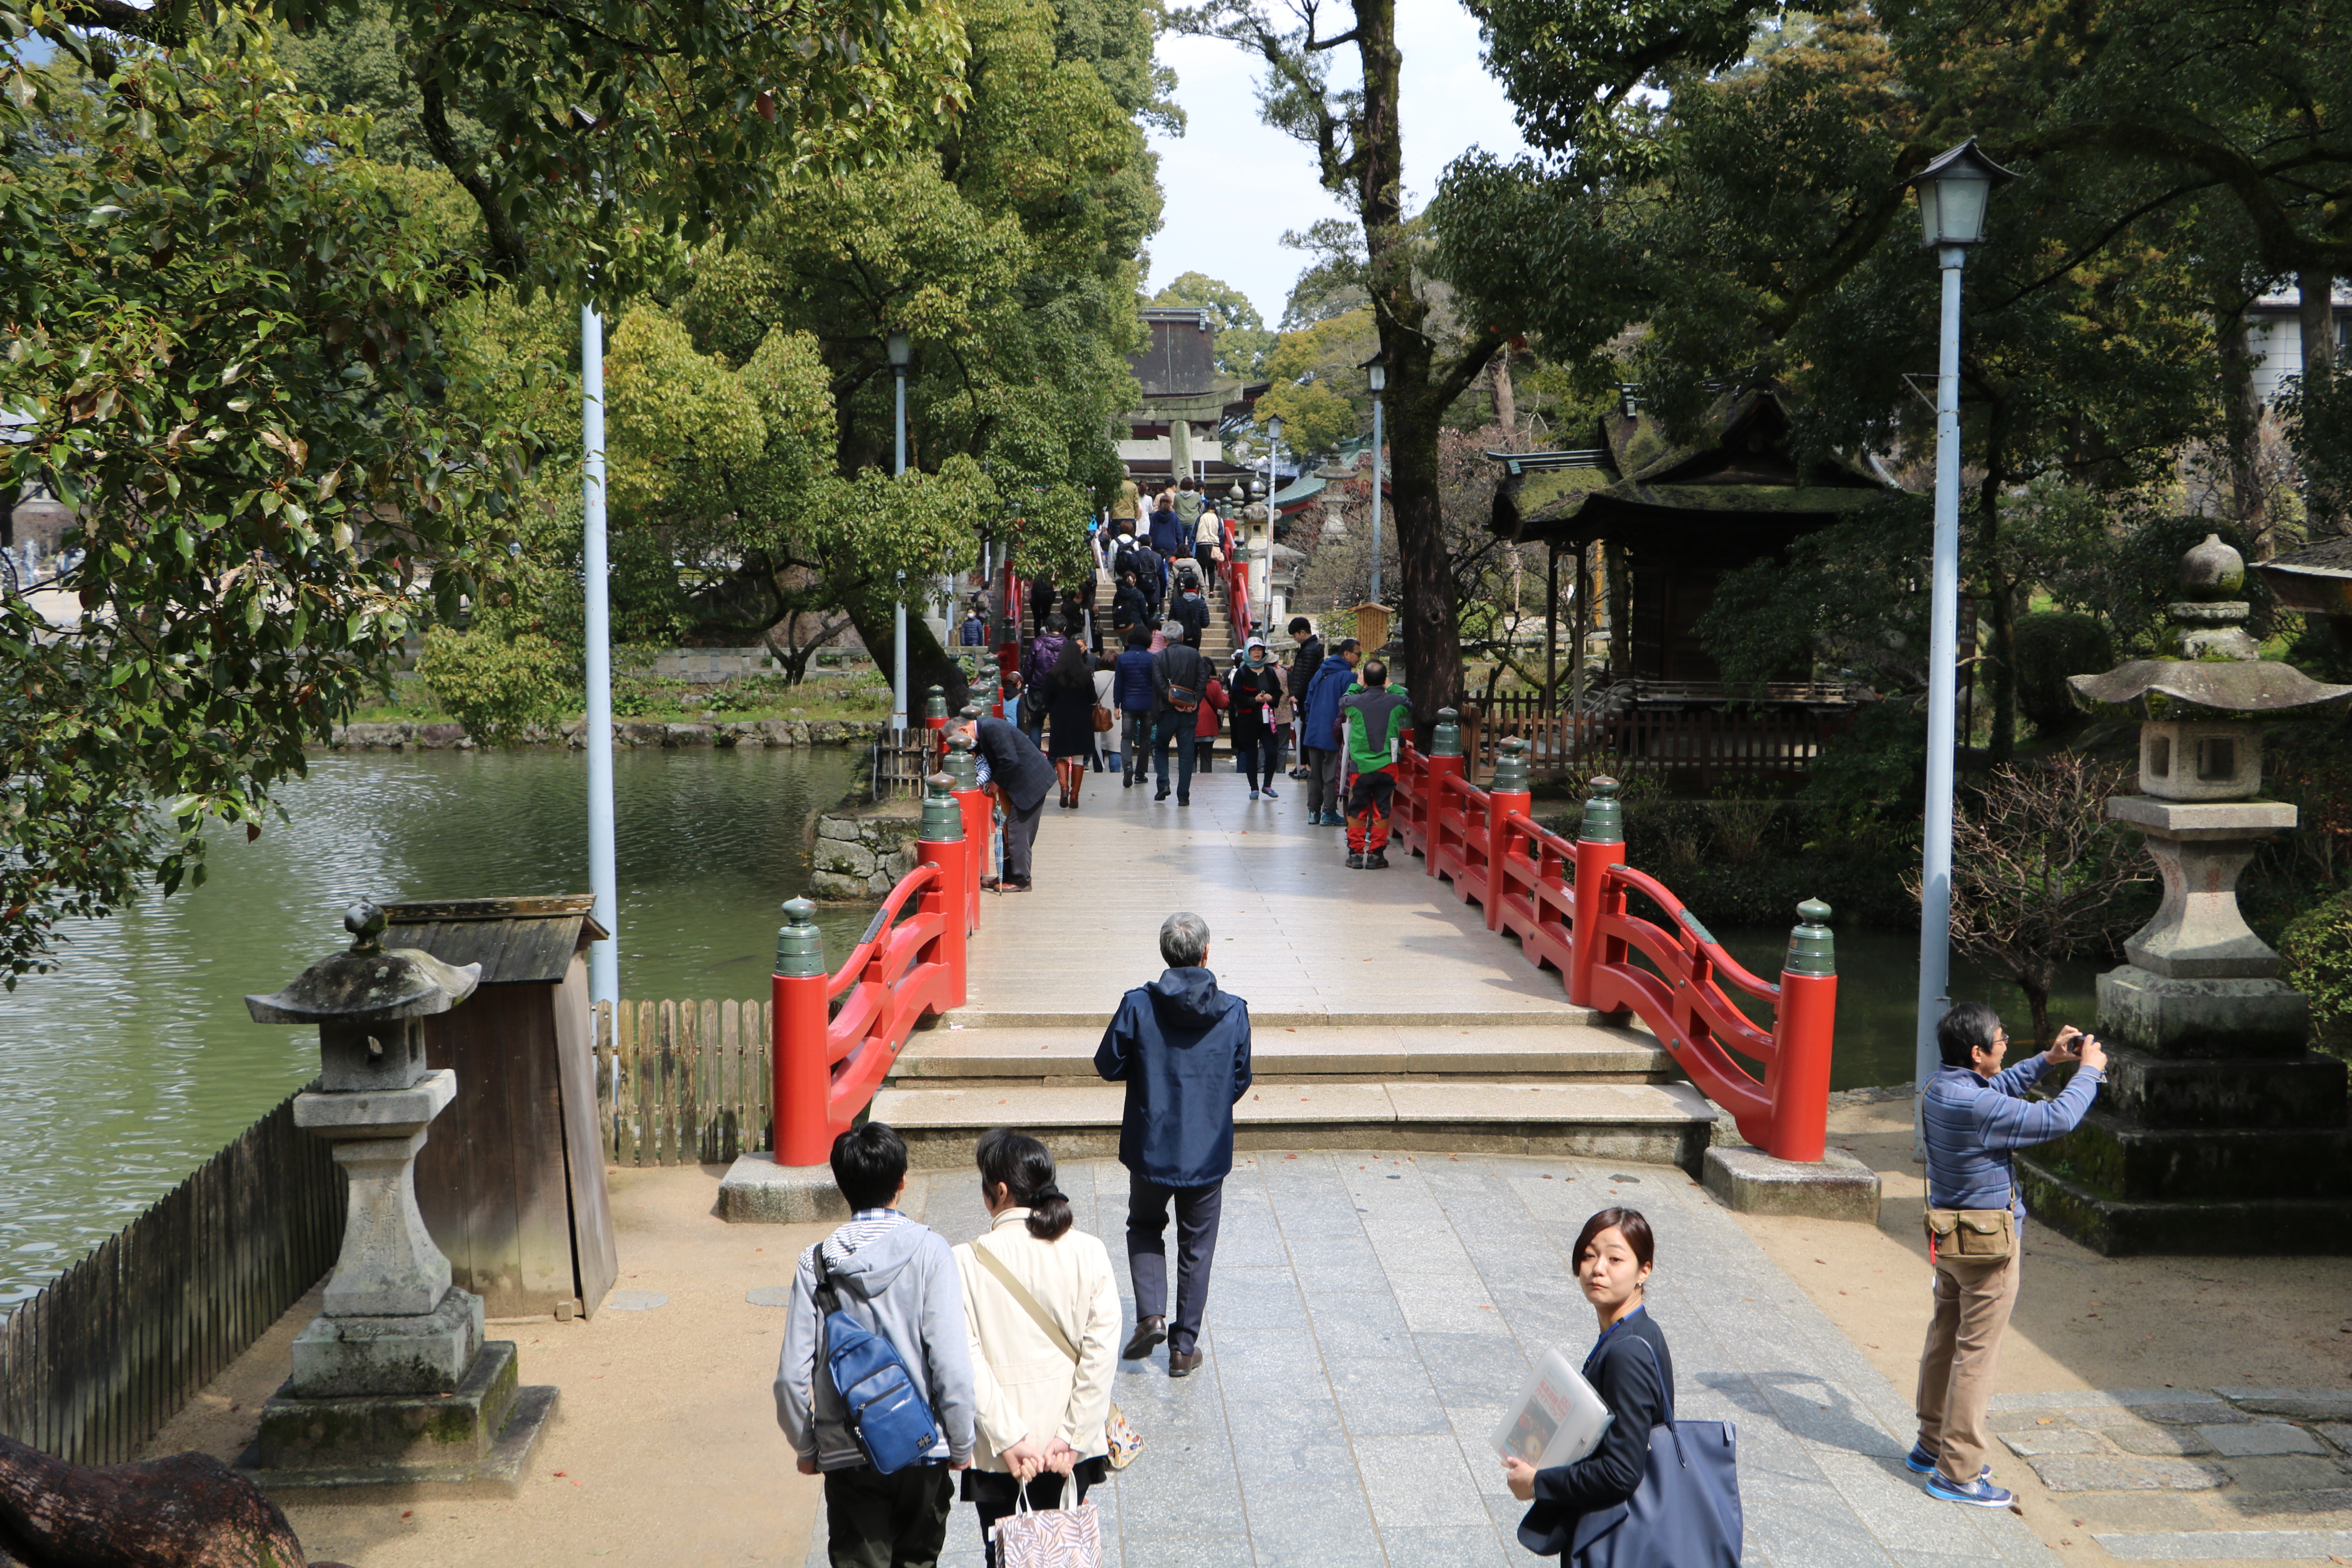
x=2220 y=1130
x=393 y=1381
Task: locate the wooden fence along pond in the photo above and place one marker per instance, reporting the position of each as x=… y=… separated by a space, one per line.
x=682 y=1082
x=92 y=1367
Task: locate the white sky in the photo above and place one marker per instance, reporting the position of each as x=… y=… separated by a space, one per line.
x=1234 y=186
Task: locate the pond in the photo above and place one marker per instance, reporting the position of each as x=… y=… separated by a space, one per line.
x=135 y=1060
x=1877 y=999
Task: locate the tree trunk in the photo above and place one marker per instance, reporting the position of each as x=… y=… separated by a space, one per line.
x=1507 y=402
x=2242 y=416
x=1432 y=630
x=188 y=1511
x=929 y=664
x=2317 y=314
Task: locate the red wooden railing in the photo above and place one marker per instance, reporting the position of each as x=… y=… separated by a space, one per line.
x=828 y=1061
x=1568 y=904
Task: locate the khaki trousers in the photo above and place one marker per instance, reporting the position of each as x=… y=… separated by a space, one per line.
x=1962 y=1357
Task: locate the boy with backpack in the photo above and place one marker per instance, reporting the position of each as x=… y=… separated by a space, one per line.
x=874 y=1388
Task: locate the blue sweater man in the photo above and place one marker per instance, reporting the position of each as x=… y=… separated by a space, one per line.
x=1182 y=1048
x=1976 y=1117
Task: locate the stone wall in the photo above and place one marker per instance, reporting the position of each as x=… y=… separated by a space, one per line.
x=863 y=856
x=761 y=732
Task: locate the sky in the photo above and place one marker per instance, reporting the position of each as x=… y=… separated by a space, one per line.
x=1234 y=186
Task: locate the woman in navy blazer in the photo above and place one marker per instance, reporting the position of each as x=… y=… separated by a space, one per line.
x=1631 y=1371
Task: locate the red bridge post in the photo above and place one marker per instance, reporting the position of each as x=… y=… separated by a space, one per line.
x=942 y=845
x=1599 y=844
x=1444 y=761
x=1797 y=1081
x=1508 y=793
x=803 y=1067
x=979 y=819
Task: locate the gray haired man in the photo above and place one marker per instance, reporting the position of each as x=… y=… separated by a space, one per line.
x=1182 y=1048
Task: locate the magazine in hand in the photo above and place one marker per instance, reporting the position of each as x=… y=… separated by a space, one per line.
x=1558 y=1419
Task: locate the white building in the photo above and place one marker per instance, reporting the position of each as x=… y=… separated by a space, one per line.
x=2275 y=332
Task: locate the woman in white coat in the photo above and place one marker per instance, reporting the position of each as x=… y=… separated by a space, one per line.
x=1041 y=1397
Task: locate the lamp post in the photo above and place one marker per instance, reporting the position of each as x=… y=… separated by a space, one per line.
x=604 y=880
x=1376 y=375
x=1953 y=193
x=900 y=352
x=1272 y=450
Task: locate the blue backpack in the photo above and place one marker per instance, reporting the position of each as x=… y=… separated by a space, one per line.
x=893 y=1426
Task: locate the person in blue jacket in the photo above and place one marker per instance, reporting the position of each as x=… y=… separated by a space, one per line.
x=1318 y=733
x=1170 y=537
x=1974 y=1115
x=1182 y=1048
x=1135 y=696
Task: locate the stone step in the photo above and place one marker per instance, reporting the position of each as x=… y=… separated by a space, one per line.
x=2211 y=1227
x=1666 y=1124
x=1522 y=1052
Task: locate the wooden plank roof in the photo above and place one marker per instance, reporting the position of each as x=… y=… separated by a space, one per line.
x=518 y=941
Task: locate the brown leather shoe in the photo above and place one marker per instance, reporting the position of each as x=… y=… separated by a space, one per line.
x=1149 y=1333
x=1182 y=1362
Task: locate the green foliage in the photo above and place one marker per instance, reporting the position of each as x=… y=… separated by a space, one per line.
x=1334 y=403
x=1863 y=792
x=2049 y=647
x=227 y=348
x=1851 y=597
x=497 y=686
x=2317 y=948
x=1242 y=339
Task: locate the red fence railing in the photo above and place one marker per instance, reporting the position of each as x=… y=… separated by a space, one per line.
x=828 y=1060
x=1569 y=905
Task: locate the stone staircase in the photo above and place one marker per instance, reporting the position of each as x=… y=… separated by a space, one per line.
x=1506 y=1082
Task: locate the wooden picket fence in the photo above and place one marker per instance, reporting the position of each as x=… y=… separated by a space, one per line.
x=92 y=1367
x=680 y=1083
x=1710 y=746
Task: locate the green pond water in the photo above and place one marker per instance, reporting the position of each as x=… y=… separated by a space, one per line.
x=134 y=1062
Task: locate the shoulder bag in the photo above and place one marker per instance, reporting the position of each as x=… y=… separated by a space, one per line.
x=1124 y=1441
x=1685 y=1510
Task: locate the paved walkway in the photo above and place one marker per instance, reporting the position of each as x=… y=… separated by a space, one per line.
x=1304 y=938
x=1372 y=1314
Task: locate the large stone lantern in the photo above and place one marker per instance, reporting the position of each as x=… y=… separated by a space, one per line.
x=2219 y=1129
x=393 y=1381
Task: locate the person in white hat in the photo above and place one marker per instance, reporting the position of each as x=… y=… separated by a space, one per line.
x=1256 y=694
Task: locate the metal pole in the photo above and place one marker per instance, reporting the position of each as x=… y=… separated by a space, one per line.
x=1376 y=497
x=1943 y=659
x=899 y=610
x=603 y=957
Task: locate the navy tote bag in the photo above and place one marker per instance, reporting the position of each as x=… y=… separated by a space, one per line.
x=1684 y=1513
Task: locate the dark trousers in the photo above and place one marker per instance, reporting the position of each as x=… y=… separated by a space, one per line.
x=874 y=1521
x=1174 y=726
x=1322 y=789
x=994 y=1498
x=1258 y=753
x=1020 y=836
x=1196 y=1247
x=1136 y=758
x=1370 y=801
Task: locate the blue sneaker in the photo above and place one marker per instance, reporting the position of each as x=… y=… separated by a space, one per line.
x=1920 y=1462
x=1269 y=793
x=1979 y=1493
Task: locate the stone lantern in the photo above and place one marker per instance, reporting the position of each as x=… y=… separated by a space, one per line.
x=2220 y=1130
x=393 y=1381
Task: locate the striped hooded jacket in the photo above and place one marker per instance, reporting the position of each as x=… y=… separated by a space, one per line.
x=1974 y=1123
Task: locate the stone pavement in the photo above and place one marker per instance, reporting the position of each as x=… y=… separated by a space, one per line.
x=2172 y=1475
x=1372 y=1314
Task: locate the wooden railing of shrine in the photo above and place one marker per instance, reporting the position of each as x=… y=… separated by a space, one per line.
x=1708 y=746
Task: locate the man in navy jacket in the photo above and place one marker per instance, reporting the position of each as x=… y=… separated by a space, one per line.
x=1021 y=775
x=1182 y=1048
x=1319 y=740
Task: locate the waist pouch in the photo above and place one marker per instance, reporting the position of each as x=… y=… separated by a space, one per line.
x=1990 y=1234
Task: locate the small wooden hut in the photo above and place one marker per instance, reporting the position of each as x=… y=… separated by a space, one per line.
x=512 y=1182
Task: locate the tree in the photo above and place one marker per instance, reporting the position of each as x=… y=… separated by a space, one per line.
x=1242 y=339
x=1317 y=392
x=1359 y=146
x=611 y=136
x=2039 y=876
x=224 y=338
